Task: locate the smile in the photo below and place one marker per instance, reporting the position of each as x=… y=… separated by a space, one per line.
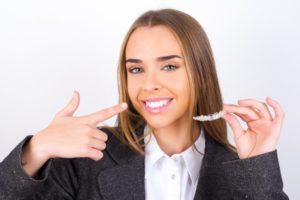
x=156 y=105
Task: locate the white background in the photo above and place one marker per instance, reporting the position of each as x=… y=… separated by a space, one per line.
x=50 y=48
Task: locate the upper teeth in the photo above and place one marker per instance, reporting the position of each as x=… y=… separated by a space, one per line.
x=156 y=104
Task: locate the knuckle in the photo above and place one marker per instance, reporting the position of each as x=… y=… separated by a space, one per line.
x=245 y=110
x=260 y=106
x=85 y=150
x=86 y=120
x=87 y=129
x=86 y=140
x=100 y=145
x=105 y=137
x=98 y=155
x=103 y=145
x=264 y=105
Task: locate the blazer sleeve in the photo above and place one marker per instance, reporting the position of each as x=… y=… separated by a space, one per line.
x=256 y=177
x=55 y=180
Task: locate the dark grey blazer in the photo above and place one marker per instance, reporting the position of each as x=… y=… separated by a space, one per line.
x=120 y=176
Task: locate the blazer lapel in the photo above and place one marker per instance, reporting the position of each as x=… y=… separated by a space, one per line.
x=211 y=183
x=126 y=179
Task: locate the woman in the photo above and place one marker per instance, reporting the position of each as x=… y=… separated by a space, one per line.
x=166 y=76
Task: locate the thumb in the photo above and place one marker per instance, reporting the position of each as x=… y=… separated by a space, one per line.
x=234 y=124
x=71 y=107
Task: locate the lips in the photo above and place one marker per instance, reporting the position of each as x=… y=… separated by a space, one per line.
x=156 y=105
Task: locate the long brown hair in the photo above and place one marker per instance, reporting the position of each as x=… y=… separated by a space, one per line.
x=205 y=92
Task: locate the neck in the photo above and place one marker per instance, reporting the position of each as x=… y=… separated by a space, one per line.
x=176 y=139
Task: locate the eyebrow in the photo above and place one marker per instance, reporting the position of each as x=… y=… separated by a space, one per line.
x=163 y=58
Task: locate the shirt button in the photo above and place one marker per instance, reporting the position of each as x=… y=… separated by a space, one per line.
x=246 y=196
x=173 y=176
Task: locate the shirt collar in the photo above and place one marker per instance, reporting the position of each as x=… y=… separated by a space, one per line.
x=192 y=158
x=152 y=151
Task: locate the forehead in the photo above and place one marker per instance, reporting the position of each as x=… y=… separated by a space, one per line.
x=150 y=42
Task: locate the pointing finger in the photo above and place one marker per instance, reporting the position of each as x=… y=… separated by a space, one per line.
x=102 y=115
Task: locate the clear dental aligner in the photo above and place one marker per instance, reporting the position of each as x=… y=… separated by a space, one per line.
x=209 y=117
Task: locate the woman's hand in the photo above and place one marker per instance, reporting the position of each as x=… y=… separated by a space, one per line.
x=263 y=129
x=68 y=136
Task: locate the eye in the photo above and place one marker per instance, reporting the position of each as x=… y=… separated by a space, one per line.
x=170 y=67
x=135 y=70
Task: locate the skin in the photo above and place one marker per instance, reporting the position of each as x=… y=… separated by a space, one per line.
x=151 y=77
x=68 y=136
x=152 y=80
x=263 y=130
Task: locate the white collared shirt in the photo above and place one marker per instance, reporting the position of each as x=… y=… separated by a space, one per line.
x=172 y=177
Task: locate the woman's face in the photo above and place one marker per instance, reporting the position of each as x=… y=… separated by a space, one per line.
x=158 y=84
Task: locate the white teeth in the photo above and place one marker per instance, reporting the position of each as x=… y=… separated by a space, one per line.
x=210 y=117
x=156 y=104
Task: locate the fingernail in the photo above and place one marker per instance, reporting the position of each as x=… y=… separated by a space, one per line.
x=124 y=105
x=73 y=94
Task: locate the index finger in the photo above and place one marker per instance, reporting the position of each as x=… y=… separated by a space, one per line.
x=102 y=115
x=279 y=113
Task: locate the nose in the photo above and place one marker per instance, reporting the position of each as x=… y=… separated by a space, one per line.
x=151 y=82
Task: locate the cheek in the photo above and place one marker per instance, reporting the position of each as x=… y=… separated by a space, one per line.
x=182 y=88
x=180 y=85
x=183 y=91
x=133 y=89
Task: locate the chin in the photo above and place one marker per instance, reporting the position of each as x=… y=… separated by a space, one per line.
x=157 y=123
